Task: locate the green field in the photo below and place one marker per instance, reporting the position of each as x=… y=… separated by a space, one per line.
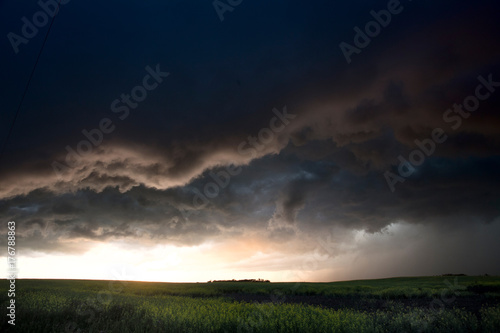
x=423 y=304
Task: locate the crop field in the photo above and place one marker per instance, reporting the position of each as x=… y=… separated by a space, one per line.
x=421 y=304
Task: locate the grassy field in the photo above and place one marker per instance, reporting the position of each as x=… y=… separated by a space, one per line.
x=423 y=304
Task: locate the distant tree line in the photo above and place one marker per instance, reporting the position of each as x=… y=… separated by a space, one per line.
x=246 y=280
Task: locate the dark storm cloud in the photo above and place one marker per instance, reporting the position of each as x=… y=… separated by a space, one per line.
x=324 y=170
x=108 y=215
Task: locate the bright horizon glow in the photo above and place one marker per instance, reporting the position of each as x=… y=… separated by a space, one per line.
x=360 y=256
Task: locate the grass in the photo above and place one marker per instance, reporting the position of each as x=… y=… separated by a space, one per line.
x=105 y=306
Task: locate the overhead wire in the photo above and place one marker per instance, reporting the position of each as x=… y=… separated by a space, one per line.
x=9 y=133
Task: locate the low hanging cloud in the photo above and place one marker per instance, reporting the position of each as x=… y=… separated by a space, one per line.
x=322 y=171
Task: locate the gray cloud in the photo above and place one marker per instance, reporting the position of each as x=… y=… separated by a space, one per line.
x=324 y=170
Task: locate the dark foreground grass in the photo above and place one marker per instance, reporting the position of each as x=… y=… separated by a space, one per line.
x=113 y=306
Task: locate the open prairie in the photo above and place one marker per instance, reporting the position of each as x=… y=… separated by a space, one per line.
x=420 y=304
x=212 y=166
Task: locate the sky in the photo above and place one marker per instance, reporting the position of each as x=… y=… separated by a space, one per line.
x=187 y=141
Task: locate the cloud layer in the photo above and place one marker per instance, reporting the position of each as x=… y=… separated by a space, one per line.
x=211 y=155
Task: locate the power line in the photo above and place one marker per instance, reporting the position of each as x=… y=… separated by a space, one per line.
x=4 y=146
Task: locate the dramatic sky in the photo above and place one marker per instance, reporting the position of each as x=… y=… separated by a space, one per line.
x=190 y=140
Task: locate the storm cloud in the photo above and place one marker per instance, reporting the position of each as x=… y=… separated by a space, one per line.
x=210 y=155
